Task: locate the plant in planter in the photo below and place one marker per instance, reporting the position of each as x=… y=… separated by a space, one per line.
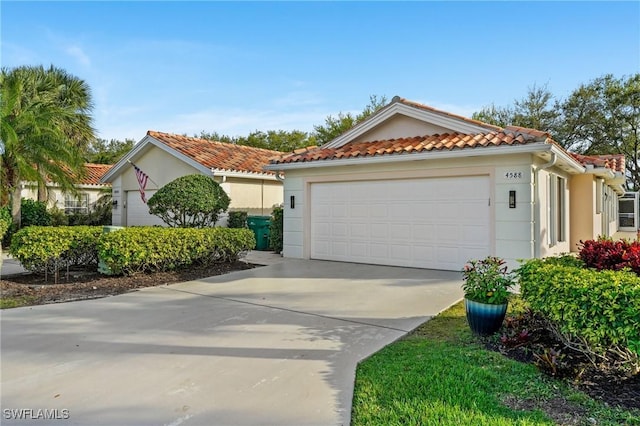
x=486 y=292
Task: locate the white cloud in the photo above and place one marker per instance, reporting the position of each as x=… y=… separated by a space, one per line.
x=79 y=55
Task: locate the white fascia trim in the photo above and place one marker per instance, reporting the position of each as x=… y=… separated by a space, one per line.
x=431 y=155
x=115 y=170
x=568 y=159
x=602 y=172
x=244 y=175
x=452 y=123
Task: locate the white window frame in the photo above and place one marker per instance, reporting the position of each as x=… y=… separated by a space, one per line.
x=76 y=204
x=556 y=202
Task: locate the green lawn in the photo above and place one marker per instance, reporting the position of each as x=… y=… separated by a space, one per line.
x=439 y=375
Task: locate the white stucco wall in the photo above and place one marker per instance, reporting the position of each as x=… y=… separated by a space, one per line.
x=543 y=211
x=513 y=233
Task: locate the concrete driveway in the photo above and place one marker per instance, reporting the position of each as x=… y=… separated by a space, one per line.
x=275 y=345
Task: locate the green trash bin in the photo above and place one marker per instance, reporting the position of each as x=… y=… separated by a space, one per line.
x=103 y=268
x=260 y=227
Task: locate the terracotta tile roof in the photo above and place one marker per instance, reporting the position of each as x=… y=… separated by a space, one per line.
x=615 y=162
x=92 y=174
x=219 y=155
x=443 y=142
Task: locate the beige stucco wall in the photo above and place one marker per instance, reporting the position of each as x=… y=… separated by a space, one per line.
x=513 y=229
x=401 y=126
x=585 y=222
x=56 y=196
x=257 y=196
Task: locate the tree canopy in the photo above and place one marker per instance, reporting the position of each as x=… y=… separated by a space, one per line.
x=101 y=151
x=287 y=141
x=192 y=201
x=599 y=117
x=45 y=116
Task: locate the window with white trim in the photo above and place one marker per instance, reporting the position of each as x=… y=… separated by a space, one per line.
x=556 y=187
x=76 y=204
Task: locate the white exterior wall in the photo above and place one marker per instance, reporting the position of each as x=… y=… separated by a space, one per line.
x=542 y=231
x=513 y=229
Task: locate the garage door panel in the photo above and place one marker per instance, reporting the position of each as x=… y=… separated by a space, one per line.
x=427 y=223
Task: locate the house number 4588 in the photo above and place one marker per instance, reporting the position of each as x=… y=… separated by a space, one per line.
x=513 y=175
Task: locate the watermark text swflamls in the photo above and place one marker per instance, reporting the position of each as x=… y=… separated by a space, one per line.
x=35 y=414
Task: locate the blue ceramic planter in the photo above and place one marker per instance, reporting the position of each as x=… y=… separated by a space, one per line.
x=484 y=319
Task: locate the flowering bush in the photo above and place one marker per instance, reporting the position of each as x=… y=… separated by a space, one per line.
x=487 y=281
x=612 y=255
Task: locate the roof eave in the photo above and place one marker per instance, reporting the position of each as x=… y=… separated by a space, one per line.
x=241 y=174
x=537 y=147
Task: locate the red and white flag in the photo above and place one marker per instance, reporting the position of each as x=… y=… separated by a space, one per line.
x=142 y=182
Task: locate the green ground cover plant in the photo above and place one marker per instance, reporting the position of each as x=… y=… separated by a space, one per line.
x=441 y=375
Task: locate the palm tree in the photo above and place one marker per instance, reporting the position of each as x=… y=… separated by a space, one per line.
x=45 y=125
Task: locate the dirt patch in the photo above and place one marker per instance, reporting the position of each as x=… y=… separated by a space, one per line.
x=34 y=289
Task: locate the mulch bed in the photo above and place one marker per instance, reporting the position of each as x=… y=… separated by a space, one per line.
x=89 y=284
x=526 y=339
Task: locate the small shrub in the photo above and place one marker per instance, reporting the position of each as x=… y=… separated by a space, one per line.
x=5 y=221
x=34 y=213
x=51 y=249
x=150 y=249
x=58 y=217
x=276 y=228
x=595 y=312
x=192 y=201
x=237 y=220
x=612 y=255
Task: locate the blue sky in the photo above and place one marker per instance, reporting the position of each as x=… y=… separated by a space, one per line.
x=235 y=67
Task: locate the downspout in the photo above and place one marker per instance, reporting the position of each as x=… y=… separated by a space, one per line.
x=536 y=209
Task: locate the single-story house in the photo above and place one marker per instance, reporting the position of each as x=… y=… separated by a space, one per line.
x=418 y=187
x=89 y=187
x=164 y=157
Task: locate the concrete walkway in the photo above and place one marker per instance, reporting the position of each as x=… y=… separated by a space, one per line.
x=275 y=345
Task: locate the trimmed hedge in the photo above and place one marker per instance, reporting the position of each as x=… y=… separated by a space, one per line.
x=150 y=249
x=51 y=249
x=237 y=219
x=276 y=230
x=599 y=309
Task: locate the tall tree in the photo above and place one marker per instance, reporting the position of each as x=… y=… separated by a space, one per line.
x=335 y=126
x=537 y=110
x=603 y=117
x=101 y=151
x=46 y=123
x=599 y=117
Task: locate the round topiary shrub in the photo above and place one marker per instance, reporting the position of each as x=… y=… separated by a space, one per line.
x=192 y=201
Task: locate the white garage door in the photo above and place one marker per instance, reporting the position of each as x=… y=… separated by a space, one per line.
x=437 y=223
x=138 y=212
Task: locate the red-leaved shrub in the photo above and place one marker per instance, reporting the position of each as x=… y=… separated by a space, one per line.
x=613 y=255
